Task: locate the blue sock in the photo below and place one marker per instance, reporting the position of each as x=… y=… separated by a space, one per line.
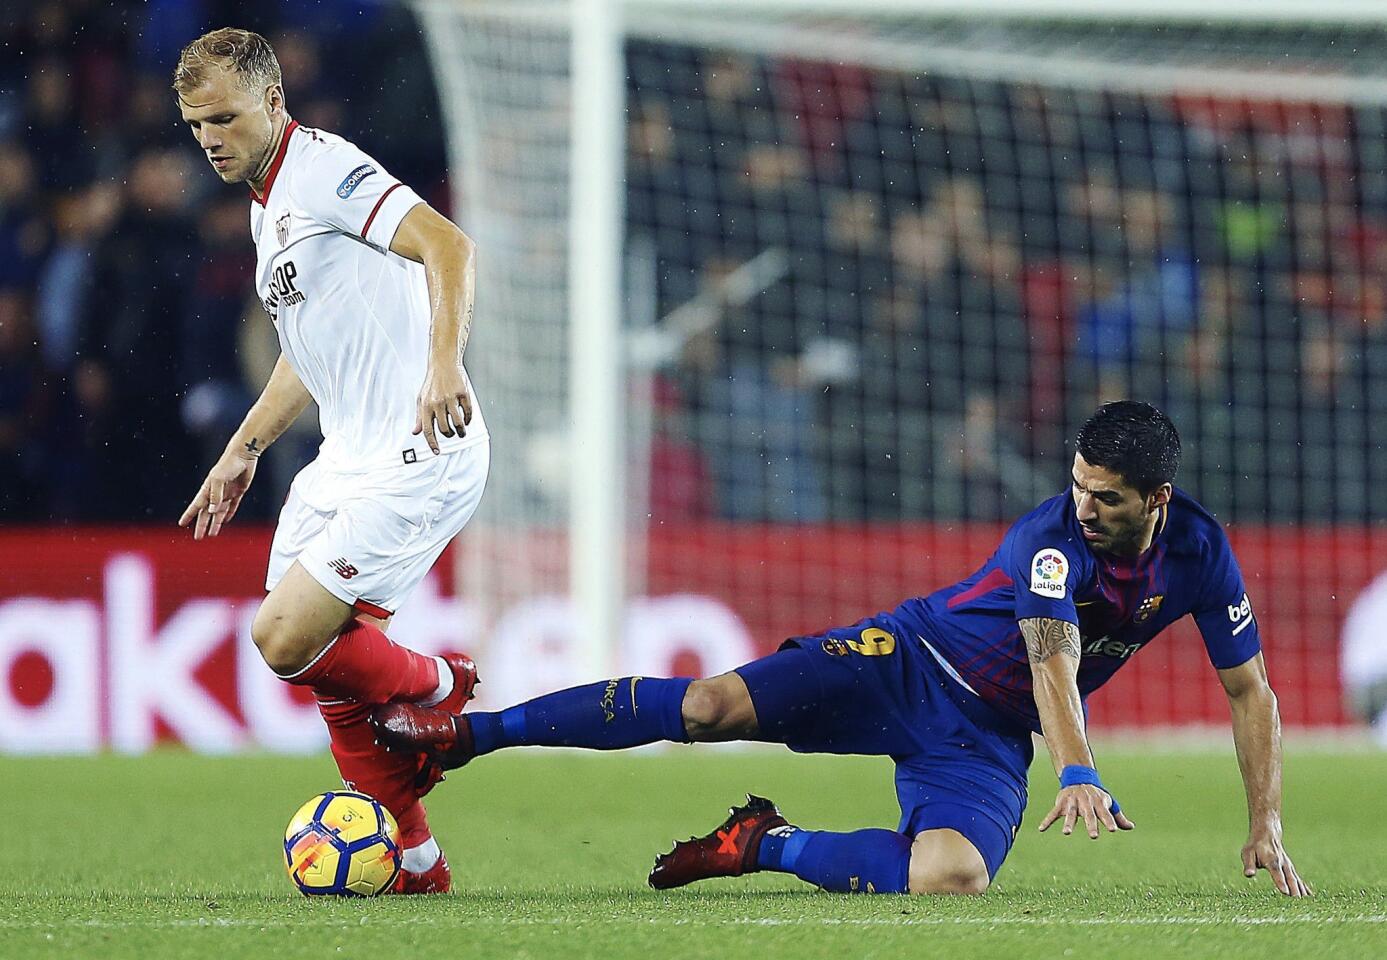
x=610 y=715
x=867 y=861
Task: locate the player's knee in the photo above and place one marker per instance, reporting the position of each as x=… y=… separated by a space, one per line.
x=702 y=710
x=952 y=866
x=712 y=709
x=284 y=649
x=958 y=880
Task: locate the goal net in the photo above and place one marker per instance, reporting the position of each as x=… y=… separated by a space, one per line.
x=877 y=262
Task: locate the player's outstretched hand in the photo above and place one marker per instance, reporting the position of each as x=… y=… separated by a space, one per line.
x=220 y=496
x=1092 y=804
x=443 y=401
x=1263 y=851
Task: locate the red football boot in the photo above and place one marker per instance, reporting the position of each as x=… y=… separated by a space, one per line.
x=436 y=879
x=464 y=683
x=729 y=851
x=444 y=738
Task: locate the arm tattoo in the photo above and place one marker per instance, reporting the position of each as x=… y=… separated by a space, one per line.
x=1046 y=637
x=253 y=447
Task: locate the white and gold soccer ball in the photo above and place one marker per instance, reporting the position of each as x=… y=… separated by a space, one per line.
x=342 y=844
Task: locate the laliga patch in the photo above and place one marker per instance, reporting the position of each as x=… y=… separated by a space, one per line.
x=1049 y=570
x=353 y=180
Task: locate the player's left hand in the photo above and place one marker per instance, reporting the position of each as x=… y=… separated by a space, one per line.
x=444 y=405
x=1263 y=851
x=1090 y=803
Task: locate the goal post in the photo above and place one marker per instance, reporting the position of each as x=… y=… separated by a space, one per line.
x=597 y=553
x=796 y=303
x=536 y=141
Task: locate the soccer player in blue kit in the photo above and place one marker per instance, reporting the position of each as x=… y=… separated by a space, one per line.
x=951 y=687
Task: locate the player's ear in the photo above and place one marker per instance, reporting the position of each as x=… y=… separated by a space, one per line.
x=274 y=99
x=1159 y=497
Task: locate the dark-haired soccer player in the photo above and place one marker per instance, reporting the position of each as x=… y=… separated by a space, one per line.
x=951 y=687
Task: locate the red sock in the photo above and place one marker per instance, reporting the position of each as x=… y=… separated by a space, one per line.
x=365 y=665
x=373 y=770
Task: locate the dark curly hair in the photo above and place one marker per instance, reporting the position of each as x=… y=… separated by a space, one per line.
x=1135 y=441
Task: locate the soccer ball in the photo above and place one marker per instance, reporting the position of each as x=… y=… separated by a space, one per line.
x=343 y=844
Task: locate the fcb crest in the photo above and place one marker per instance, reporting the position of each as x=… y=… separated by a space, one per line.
x=1148 y=608
x=282 y=228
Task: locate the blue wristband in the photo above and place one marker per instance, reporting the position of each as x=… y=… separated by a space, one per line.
x=1076 y=773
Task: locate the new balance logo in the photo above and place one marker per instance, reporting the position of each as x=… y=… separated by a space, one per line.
x=343 y=569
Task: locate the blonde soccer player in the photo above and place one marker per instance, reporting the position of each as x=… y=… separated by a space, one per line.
x=371 y=292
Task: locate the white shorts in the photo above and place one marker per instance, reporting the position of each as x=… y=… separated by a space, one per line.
x=369 y=538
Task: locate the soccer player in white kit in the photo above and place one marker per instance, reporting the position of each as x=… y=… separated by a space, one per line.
x=371 y=292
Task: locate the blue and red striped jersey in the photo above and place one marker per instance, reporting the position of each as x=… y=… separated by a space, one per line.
x=1045 y=568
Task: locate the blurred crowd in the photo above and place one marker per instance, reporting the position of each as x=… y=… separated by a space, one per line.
x=968 y=267
x=905 y=291
x=130 y=340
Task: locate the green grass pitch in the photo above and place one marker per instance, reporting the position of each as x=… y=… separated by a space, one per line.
x=174 y=855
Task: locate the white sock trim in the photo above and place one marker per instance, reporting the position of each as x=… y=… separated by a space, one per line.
x=421 y=858
x=445 y=685
x=309 y=666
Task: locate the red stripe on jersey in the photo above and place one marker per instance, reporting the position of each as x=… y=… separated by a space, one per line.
x=366 y=606
x=375 y=210
x=276 y=163
x=995 y=579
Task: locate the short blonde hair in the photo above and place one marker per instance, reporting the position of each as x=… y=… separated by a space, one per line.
x=243 y=52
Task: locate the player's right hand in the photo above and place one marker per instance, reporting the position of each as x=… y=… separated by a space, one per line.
x=1091 y=803
x=216 y=502
x=1264 y=851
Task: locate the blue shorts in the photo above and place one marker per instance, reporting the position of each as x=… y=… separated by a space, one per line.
x=875 y=689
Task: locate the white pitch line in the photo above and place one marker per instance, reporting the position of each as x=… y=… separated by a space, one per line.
x=443 y=921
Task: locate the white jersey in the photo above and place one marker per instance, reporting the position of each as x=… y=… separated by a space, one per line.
x=353 y=318
x=1363 y=656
